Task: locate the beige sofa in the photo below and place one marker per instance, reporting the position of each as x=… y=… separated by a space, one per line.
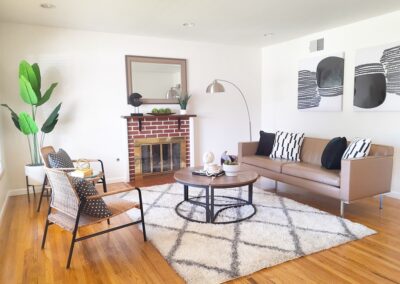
x=357 y=178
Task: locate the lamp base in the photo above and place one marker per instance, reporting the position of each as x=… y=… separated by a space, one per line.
x=136 y=114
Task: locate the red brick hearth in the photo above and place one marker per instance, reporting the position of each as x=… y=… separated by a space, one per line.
x=173 y=126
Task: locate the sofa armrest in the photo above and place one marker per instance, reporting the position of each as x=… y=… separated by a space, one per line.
x=247 y=149
x=365 y=177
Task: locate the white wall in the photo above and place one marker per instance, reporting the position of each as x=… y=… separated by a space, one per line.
x=279 y=87
x=3 y=180
x=90 y=69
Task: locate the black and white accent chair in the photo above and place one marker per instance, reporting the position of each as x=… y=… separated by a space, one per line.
x=46 y=188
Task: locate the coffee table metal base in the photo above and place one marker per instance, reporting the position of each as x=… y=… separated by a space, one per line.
x=209 y=205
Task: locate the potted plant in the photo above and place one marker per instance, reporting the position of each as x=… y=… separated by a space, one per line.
x=183 y=102
x=30 y=92
x=231 y=168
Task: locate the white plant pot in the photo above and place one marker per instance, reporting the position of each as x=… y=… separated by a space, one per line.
x=35 y=174
x=231 y=170
x=183 y=111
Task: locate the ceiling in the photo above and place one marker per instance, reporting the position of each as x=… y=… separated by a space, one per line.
x=242 y=22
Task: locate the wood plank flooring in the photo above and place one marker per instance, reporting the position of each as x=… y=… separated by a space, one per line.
x=123 y=257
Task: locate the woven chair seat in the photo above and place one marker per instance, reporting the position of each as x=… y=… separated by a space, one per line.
x=115 y=204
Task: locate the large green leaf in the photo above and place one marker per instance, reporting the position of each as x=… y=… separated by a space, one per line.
x=14 y=116
x=27 y=93
x=36 y=69
x=47 y=94
x=27 y=124
x=26 y=70
x=51 y=121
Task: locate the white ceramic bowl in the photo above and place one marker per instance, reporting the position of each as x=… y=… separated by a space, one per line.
x=231 y=170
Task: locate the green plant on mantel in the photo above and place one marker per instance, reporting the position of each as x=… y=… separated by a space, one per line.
x=29 y=90
x=183 y=100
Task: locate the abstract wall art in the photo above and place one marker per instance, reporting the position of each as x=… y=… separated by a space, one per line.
x=377 y=78
x=320 y=83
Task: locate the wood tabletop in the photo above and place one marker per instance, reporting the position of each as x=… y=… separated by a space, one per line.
x=185 y=176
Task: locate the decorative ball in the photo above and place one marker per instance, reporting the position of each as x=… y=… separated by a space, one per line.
x=135 y=99
x=208 y=157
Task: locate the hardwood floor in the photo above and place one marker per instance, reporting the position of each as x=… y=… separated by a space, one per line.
x=123 y=257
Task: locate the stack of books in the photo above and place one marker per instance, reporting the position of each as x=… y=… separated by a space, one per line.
x=82 y=173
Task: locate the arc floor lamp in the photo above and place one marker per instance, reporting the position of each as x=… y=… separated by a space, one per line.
x=217 y=87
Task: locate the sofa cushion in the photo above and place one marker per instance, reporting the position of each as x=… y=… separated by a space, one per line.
x=287 y=146
x=312 y=172
x=333 y=152
x=265 y=162
x=265 y=144
x=311 y=151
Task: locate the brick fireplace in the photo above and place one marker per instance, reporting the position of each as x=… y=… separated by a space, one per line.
x=157 y=144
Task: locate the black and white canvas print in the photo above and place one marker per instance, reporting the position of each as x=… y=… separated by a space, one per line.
x=377 y=78
x=320 y=83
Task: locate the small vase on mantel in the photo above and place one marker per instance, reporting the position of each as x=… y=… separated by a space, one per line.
x=183 y=111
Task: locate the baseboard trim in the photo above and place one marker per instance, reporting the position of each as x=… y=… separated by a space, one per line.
x=393 y=194
x=22 y=191
x=38 y=188
x=116 y=180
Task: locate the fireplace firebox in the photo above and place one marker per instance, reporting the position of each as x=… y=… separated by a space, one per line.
x=159 y=155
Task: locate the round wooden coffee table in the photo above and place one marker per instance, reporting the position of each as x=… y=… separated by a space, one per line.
x=245 y=178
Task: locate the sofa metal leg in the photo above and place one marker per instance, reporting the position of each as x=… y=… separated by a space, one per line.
x=276 y=186
x=381 y=201
x=341 y=209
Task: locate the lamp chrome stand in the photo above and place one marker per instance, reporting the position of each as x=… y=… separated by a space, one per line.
x=216 y=87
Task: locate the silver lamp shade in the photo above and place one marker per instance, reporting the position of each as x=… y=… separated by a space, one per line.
x=215 y=87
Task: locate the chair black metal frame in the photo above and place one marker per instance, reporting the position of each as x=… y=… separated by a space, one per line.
x=75 y=230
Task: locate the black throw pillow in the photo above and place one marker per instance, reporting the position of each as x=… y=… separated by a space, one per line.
x=333 y=152
x=265 y=144
x=95 y=207
x=60 y=159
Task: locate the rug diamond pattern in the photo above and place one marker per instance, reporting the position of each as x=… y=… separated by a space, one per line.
x=281 y=230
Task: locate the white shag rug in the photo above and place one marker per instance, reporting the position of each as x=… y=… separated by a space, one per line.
x=281 y=230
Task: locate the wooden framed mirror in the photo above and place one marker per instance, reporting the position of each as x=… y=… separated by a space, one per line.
x=159 y=80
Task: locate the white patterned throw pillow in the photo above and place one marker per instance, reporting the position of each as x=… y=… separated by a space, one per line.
x=359 y=148
x=287 y=146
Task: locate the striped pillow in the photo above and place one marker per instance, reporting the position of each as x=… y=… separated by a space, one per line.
x=287 y=146
x=359 y=148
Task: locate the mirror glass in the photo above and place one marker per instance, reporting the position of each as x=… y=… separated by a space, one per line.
x=158 y=80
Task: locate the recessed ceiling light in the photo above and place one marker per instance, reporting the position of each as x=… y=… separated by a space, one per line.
x=47 y=6
x=189 y=25
x=269 y=34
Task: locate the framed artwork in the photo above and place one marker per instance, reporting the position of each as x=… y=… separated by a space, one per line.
x=320 y=83
x=377 y=78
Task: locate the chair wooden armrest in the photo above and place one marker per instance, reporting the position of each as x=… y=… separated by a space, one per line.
x=101 y=195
